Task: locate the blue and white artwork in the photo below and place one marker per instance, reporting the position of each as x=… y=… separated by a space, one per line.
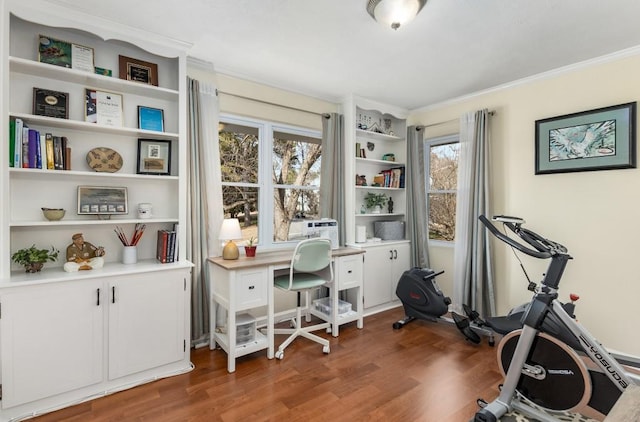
x=583 y=141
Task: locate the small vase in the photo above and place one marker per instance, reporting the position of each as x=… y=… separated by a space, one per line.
x=376 y=210
x=33 y=267
x=250 y=251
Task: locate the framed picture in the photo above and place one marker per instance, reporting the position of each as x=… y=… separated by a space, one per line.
x=102 y=200
x=154 y=157
x=138 y=70
x=65 y=54
x=103 y=108
x=600 y=139
x=150 y=118
x=50 y=103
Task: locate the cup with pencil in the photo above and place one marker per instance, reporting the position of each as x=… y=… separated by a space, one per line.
x=130 y=250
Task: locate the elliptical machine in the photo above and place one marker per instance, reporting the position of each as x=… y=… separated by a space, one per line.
x=552 y=364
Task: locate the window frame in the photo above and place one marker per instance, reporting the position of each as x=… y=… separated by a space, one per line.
x=428 y=144
x=265 y=184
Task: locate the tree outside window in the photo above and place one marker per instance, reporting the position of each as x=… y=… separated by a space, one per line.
x=259 y=157
x=441 y=165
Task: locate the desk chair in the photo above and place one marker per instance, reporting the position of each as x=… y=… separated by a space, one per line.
x=309 y=270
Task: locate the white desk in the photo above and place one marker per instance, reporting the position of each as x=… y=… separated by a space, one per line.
x=247 y=283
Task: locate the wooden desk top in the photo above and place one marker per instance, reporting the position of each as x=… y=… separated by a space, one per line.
x=271 y=258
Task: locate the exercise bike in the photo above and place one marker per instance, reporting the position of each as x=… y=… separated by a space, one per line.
x=552 y=364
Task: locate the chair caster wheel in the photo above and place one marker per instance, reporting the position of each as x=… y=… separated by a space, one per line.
x=397 y=325
x=326 y=350
x=280 y=354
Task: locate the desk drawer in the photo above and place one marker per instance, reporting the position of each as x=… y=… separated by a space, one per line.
x=251 y=289
x=349 y=271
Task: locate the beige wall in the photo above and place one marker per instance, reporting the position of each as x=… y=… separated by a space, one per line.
x=595 y=214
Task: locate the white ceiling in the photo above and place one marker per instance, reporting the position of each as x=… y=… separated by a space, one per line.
x=331 y=48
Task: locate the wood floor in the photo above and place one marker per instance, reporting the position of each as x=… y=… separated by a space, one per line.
x=422 y=372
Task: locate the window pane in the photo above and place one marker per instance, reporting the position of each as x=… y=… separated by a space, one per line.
x=442 y=216
x=443 y=167
x=242 y=203
x=239 y=153
x=296 y=161
x=290 y=205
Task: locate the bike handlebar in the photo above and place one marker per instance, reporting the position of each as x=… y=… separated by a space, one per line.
x=541 y=248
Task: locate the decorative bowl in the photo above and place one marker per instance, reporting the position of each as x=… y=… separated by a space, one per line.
x=53 y=214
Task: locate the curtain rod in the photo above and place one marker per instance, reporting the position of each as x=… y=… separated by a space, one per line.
x=326 y=115
x=491 y=113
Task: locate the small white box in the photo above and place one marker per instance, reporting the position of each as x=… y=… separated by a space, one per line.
x=324 y=305
x=245 y=329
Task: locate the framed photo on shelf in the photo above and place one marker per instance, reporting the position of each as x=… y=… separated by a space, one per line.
x=150 y=118
x=154 y=157
x=102 y=200
x=599 y=139
x=65 y=54
x=50 y=103
x=103 y=108
x=138 y=70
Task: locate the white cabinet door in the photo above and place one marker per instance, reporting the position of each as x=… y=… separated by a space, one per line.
x=401 y=263
x=146 y=321
x=383 y=267
x=52 y=340
x=377 y=273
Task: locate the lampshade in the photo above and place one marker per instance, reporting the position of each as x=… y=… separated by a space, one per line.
x=394 y=13
x=230 y=229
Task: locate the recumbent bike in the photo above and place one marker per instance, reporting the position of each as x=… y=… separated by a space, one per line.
x=553 y=364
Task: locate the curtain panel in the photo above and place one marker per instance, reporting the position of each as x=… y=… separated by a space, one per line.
x=417 y=217
x=473 y=267
x=332 y=184
x=204 y=196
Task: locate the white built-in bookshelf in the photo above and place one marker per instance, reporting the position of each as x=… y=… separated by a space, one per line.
x=69 y=336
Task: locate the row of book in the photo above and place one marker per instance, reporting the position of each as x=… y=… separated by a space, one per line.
x=29 y=148
x=391 y=178
x=167 y=250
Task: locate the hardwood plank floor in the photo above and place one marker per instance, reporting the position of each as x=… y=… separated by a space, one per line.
x=422 y=372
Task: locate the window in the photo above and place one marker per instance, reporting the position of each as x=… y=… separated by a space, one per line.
x=441 y=171
x=270 y=177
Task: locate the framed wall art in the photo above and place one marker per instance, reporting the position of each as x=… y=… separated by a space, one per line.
x=138 y=70
x=150 y=118
x=154 y=157
x=599 y=139
x=102 y=200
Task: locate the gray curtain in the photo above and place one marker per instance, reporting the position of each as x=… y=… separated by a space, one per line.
x=417 y=229
x=473 y=268
x=332 y=184
x=204 y=212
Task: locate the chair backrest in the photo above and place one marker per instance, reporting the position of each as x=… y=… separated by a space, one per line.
x=312 y=256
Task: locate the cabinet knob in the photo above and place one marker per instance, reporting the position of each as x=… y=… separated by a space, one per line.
x=252 y=287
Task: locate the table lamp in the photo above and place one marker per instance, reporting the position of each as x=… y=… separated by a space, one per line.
x=229 y=231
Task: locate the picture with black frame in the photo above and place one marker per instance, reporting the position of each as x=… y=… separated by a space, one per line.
x=154 y=157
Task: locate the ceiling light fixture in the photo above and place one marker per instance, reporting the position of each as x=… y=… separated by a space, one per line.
x=394 y=13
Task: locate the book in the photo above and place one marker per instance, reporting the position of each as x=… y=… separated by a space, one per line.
x=58 y=160
x=17 y=157
x=48 y=141
x=32 y=148
x=161 y=249
x=171 y=246
x=12 y=145
x=25 y=147
x=65 y=161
